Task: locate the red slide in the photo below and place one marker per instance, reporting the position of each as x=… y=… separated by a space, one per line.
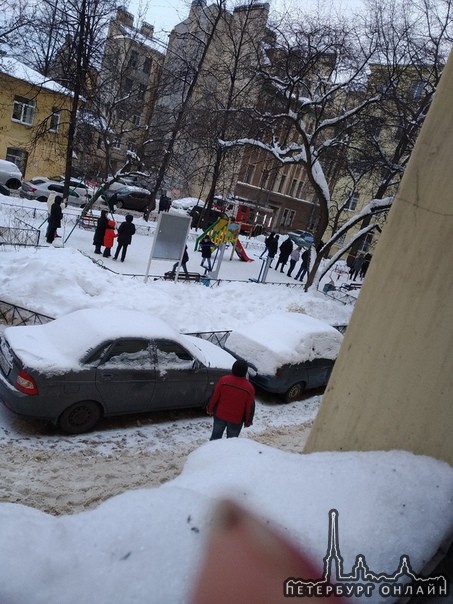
x=241 y=252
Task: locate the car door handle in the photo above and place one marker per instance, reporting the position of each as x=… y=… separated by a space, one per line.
x=107 y=376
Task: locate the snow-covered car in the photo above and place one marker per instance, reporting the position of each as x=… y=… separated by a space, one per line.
x=92 y=363
x=186 y=203
x=10 y=175
x=287 y=352
x=40 y=187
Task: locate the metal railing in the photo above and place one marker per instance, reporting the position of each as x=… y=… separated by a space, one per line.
x=12 y=314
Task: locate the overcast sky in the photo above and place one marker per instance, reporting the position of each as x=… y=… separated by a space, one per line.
x=165 y=14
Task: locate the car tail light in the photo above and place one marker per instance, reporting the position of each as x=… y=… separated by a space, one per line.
x=25 y=383
x=279 y=372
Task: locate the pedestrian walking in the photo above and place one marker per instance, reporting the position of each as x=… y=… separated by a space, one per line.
x=125 y=232
x=206 y=247
x=305 y=265
x=266 y=244
x=184 y=261
x=285 y=250
x=365 y=265
x=54 y=220
x=109 y=238
x=356 y=267
x=293 y=260
x=272 y=248
x=101 y=225
x=232 y=403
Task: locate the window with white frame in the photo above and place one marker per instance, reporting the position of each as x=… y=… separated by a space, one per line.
x=116 y=143
x=54 y=121
x=299 y=189
x=131 y=146
x=23 y=110
x=351 y=204
x=293 y=188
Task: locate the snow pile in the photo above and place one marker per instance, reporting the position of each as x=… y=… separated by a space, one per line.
x=146 y=545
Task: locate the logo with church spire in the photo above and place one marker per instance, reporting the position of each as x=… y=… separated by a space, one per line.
x=362 y=581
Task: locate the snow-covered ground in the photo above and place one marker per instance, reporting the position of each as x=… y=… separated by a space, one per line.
x=145 y=544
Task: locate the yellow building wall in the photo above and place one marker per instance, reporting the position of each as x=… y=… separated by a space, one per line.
x=392 y=384
x=47 y=152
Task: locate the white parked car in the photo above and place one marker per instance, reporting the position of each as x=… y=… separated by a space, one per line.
x=186 y=203
x=10 y=175
x=40 y=187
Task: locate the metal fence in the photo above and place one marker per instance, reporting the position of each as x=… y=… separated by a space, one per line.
x=11 y=314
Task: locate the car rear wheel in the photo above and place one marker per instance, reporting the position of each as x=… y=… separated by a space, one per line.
x=13 y=184
x=119 y=204
x=80 y=417
x=42 y=199
x=295 y=392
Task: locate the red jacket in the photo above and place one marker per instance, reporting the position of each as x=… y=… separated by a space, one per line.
x=233 y=400
x=109 y=236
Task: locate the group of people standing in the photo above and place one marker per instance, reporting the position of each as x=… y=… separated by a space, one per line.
x=287 y=252
x=105 y=235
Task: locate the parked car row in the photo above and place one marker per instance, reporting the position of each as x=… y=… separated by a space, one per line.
x=86 y=369
x=40 y=187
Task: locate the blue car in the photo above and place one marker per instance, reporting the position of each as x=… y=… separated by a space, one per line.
x=287 y=352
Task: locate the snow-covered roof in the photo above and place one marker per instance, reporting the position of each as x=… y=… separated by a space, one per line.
x=285 y=338
x=14 y=68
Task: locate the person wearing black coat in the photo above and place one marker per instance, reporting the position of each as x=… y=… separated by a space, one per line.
x=305 y=265
x=285 y=251
x=125 y=232
x=99 y=233
x=54 y=220
x=272 y=247
x=184 y=261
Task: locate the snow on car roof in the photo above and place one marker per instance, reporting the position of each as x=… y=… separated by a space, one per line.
x=58 y=346
x=285 y=338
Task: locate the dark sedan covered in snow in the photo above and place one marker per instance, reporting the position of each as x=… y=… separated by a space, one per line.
x=287 y=352
x=94 y=363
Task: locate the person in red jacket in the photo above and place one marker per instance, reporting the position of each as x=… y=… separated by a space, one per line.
x=232 y=403
x=109 y=238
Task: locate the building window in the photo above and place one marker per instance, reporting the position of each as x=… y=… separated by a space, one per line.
x=141 y=92
x=128 y=83
x=18 y=157
x=351 y=204
x=131 y=146
x=299 y=189
x=147 y=63
x=264 y=179
x=249 y=173
x=136 y=120
x=293 y=188
x=121 y=114
x=23 y=110
x=281 y=184
x=416 y=91
x=54 y=122
x=133 y=59
x=116 y=143
x=287 y=217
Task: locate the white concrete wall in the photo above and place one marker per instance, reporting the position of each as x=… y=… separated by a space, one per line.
x=392 y=386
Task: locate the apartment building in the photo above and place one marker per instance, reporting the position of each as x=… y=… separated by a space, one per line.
x=33 y=119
